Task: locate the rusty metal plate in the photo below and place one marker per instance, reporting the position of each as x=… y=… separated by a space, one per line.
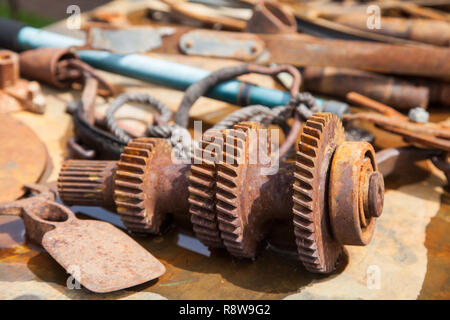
x=127 y=41
x=99 y=256
x=23 y=158
x=213 y=44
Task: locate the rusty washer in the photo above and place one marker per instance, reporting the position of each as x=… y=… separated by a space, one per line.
x=356 y=193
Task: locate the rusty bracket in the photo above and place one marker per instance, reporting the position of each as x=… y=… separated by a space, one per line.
x=220 y=45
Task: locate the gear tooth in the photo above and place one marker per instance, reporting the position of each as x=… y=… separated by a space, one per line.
x=228 y=214
x=129 y=181
x=305 y=175
x=202 y=191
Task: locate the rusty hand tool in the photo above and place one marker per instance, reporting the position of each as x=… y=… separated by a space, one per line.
x=99 y=256
x=16 y=93
x=144 y=186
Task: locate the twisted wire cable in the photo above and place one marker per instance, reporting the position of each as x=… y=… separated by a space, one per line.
x=110 y=121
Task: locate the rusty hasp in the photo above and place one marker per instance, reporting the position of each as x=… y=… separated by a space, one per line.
x=99 y=256
x=16 y=93
x=144 y=186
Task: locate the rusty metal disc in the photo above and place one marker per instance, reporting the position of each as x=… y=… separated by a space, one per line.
x=23 y=158
x=317 y=248
x=355 y=193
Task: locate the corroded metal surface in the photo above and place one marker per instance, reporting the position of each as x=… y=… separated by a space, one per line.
x=339 y=81
x=87 y=183
x=202 y=189
x=271 y=17
x=356 y=191
x=144 y=186
x=318 y=249
x=98 y=255
x=338 y=193
x=422 y=30
x=303 y=50
x=432 y=135
x=23 y=160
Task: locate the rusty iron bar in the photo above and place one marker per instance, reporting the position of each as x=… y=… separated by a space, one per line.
x=304 y=50
x=340 y=81
x=422 y=30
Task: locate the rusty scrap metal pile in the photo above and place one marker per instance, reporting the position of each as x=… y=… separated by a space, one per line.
x=327 y=189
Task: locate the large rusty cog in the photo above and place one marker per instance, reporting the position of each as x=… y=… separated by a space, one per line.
x=202 y=189
x=236 y=234
x=132 y=179
x=317 y=249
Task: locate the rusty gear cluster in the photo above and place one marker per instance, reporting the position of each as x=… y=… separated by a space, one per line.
x=330 y=196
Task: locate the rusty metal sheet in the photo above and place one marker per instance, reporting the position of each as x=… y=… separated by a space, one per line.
x=23 y=157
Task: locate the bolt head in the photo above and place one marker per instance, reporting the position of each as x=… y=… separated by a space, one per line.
x=376 y=194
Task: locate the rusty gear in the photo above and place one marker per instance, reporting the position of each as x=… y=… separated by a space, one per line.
x=317 y=248
x=202 y=189
x=132 y=180
x=144 y=186
x=239 y=236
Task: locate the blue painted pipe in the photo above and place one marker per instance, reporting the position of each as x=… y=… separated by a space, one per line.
x=157 y=71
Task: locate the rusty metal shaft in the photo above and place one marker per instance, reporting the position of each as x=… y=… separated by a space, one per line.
x=143 y=187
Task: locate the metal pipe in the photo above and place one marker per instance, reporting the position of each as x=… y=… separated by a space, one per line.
x=174 y=75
